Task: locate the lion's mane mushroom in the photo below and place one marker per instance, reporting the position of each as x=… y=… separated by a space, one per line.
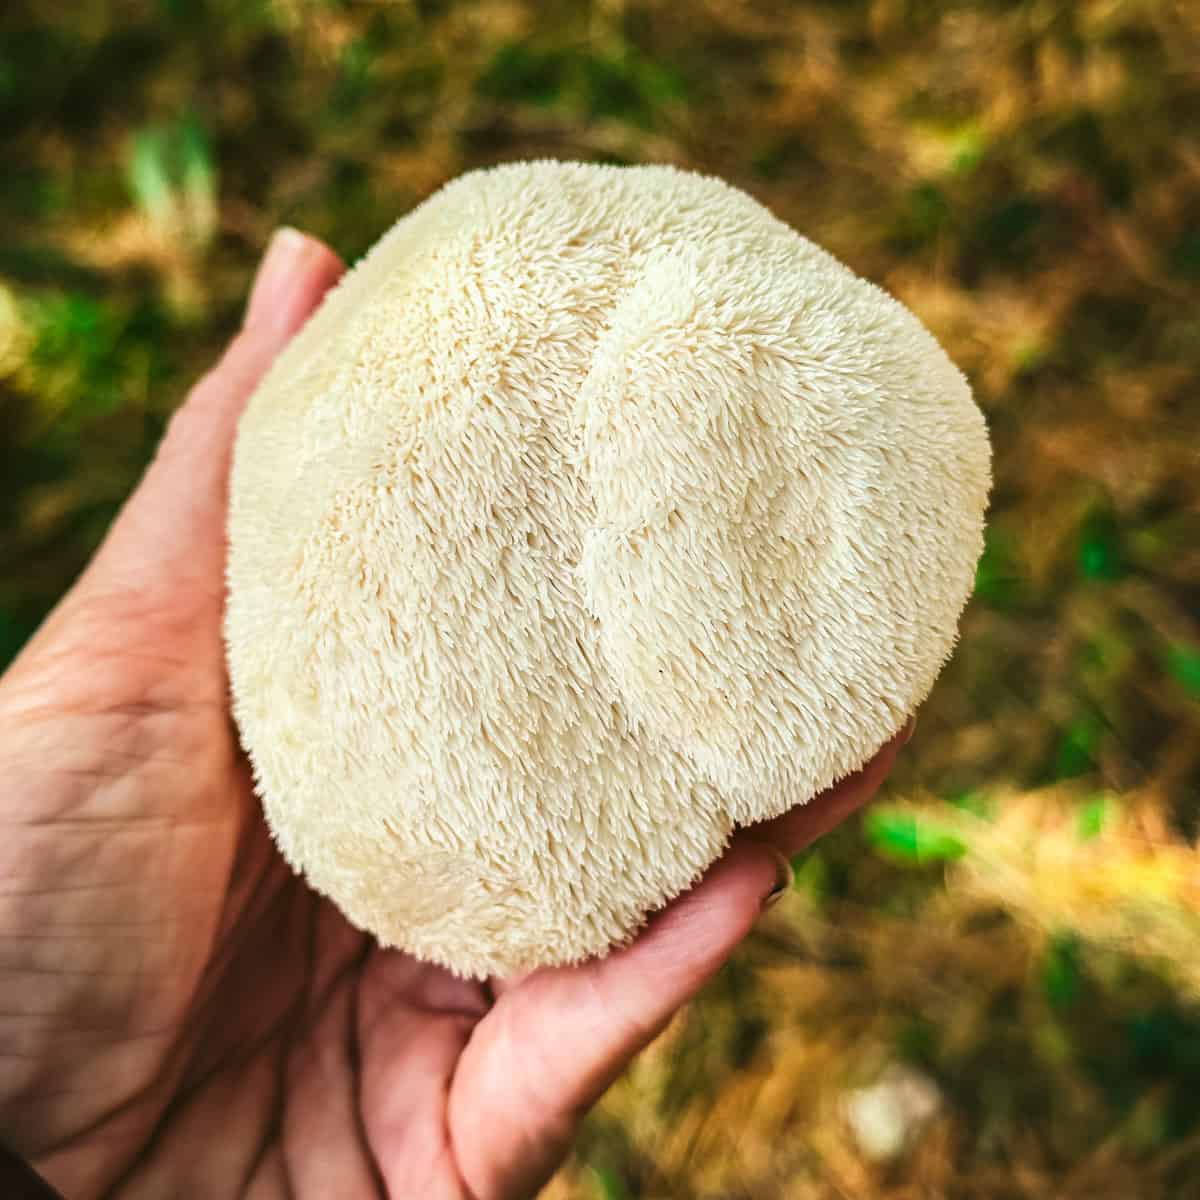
x=595 y=513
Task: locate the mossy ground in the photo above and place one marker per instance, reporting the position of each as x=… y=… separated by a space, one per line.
x=1020 y=918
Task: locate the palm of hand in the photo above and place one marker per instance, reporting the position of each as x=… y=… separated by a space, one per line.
x=243 y=1021
x=179 y=1014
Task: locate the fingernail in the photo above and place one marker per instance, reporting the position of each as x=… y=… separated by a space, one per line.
x=271 y=296
x=785 y=877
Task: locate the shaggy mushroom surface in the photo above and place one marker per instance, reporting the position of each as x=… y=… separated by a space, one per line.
x=595 y=513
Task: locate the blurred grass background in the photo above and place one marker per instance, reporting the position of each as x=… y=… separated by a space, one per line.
x=989 y=986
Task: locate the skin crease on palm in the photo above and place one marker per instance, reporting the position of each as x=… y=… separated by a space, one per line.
x=179 y=1014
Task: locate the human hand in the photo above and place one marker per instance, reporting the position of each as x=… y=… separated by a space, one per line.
x=179 y=1014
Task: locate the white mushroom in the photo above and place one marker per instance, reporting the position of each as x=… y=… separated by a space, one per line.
x=595 y=513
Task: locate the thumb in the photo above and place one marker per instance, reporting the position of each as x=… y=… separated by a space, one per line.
x=557 y=1038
